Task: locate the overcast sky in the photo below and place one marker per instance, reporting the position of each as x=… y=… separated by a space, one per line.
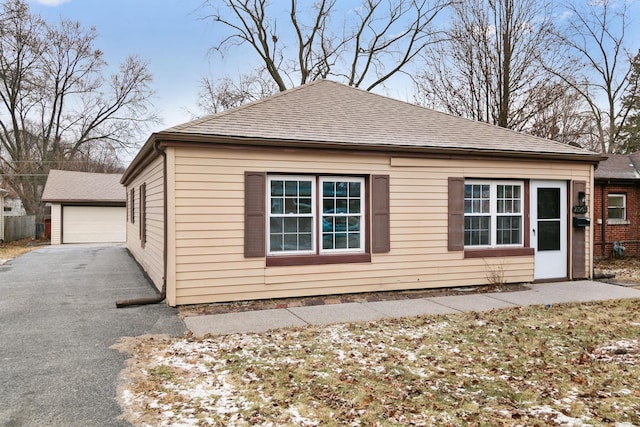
x=171 y=35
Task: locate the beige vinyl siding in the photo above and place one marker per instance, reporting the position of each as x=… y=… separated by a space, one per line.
x=150 y=257
x=209 y=257
x=56 y=223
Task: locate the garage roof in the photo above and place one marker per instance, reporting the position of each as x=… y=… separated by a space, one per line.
x=83 y=187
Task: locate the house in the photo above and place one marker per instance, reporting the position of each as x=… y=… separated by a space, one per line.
x=86 y=207
x=15 y=224
x=13 y=205
x=328 y=189
x=617 y=206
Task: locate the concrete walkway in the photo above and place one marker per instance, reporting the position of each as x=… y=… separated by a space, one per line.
x=543 y=294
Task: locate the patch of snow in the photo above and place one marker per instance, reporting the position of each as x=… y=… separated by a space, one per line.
x=298 y=419
x=127 y=397
x=320 y=374
x=558 y=417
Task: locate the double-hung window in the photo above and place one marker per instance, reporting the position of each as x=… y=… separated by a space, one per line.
x=342 y=214
x=617 y=207
x=493 y=213
x=291 y=218
x=310 y=215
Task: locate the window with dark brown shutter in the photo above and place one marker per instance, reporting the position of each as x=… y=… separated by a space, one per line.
x=380 y=229
x=254 y=214
x=315 y=219
x=504 y=234
x=456 y=214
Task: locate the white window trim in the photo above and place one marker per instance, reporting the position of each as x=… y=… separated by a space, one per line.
x=624 y=206
x=316 y=214
x=362 y=216
x=311 y=178
x=493 y=212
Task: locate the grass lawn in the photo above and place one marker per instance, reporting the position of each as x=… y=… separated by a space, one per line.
x=13 y=249
x=574 y=364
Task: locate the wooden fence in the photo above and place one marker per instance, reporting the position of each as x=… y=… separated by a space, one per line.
x=19 y=227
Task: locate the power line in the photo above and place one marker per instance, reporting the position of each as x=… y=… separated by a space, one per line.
x=23 y=174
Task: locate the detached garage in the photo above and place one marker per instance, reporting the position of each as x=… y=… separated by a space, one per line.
x=86 y=207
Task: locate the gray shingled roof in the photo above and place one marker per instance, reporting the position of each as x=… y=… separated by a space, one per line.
x=68 y=186
x=328 y=112
x=619 y=166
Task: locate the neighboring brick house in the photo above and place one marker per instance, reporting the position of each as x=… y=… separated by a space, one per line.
x=617 y=205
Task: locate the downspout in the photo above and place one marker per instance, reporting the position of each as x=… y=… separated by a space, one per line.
x=163 y=293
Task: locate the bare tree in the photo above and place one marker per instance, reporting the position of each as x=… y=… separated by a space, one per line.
x=226 y=93
x=379 y=38
x=595 y=40
x=99 y=157
x=563 y=117
x=489 y=67
x=631 y=100
x=56 y=104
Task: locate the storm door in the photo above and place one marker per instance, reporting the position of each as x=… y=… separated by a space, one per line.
x=549 y=228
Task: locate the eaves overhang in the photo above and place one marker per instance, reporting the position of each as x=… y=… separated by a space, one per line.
x=87 y=202
x=183 y=139
x=622 y=181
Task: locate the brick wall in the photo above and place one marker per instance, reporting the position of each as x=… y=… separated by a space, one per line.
x=627 y=233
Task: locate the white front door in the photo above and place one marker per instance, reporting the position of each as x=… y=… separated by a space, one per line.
x=549 y=228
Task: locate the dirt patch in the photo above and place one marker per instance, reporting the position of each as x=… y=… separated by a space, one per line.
x=279 y=303
x=625 y=270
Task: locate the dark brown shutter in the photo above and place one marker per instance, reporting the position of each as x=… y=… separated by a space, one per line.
x=133 y=205
x=143 y=214
x=456 y=214
x=578 y=241
x=380 y=238
x=254 y=214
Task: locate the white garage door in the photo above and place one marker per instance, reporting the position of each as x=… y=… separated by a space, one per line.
x=94 y=224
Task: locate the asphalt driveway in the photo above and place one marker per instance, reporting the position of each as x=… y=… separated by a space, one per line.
x=58 y=319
